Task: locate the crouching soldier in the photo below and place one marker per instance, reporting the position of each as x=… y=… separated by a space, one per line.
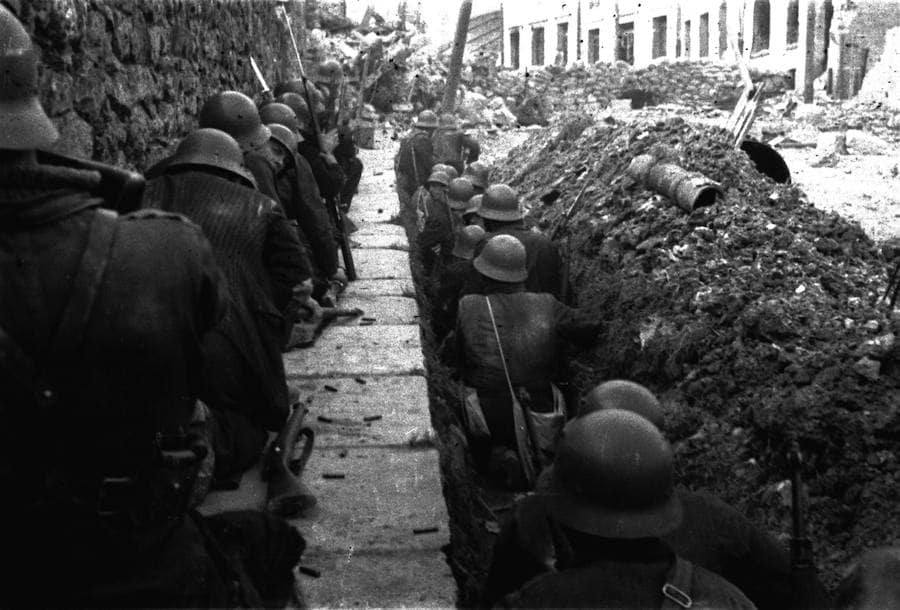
x=610 y=492
x=435 y=222
x=711 y=534
x=506 y=346
x=262 y=260
x=101 y=365
x=452 y=278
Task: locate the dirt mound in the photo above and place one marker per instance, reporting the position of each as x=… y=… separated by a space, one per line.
x=757 y=319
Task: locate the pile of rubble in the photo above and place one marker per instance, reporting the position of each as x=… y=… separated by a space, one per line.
x=757 y=319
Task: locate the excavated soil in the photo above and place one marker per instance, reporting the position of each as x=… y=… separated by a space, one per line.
x=757 y=320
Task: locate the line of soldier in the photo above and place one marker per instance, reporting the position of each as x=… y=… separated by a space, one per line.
x=605 y=523
x=141 y=352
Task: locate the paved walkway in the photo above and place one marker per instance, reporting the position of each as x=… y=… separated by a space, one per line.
x=377 y=534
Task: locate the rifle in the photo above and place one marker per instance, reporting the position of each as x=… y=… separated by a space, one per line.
x=565 y=287
x=804 y=583
x=337 y=215
x=287 y=495
x=120 y=189
x=303 y=333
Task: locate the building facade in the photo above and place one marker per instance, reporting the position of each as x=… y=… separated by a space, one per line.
x=780 y=35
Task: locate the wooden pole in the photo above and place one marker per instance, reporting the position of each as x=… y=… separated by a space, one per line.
x=459 y=46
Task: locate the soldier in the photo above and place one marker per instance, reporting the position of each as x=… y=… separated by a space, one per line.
x=610 y=492
x=711 y=534
x=502 y=215
x=459 y=192
x=530 y=327
x=237 y=115
x=413 y=162
x=264 y=264
x=347 y=155
x=452 y=146
x=302 y=203
x=434 y=222
x=101 y=321
x=452 y=278
x=480 y=174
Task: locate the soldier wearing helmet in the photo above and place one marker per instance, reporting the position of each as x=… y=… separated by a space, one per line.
x=237 y=115
x=610 y=493
x=530 y=329
x=101 y=321
x=413 y=162
x=459 y=192
x=501 y=213
x=451 y=279
x=262 y=261
x=452 y=145
x=299 y=194
x=435 y=223
x=711 y=534
x=480 y=174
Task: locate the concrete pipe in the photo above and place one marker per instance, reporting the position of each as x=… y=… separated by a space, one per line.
x=689 y=190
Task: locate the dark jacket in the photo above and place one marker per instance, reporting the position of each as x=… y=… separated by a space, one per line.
x=623 y=574
x=260 y=164
x=435 y=237
x=532 y=328
x=329 y=178
x=134 y=375
x=455 y=148
x=415 y=159
x=712 y=535
x=261 y=257
x=546 y=271
x=451 y=279
x=302 y=203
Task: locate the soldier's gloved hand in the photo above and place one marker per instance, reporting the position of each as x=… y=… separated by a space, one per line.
x=328 y=142
x=309 y=310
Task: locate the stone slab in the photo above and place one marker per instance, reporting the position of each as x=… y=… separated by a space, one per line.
x=382 y=209
x=388 y=310
x=383 y=495
x=372 y=264
x=379 y=580
x=400 y=402
x=350 y=351
x=379 y=228
x=385 y=242
x=372 y=288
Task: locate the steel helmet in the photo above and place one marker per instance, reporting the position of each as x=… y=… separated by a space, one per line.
x=237 y=115
x=473 y=205
x=295 y=102
x=206 y=147
x=296 y=86
x=23 y=123
x=613 y=477
x=438 y=178
x=330 y=68
x=466 y=240
x=448 y=121
x=459 y=193
x=479 y=173
x=427 y=120
x=625 y=395
x=447 y=169
x=284 y=136
x=503 y=259
x=279 y=113
x=500 y=202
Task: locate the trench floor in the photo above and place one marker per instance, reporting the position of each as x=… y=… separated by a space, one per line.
x=378 y=534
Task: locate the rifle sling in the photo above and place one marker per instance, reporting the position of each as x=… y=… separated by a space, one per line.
x=677 y=589
x=69 y=334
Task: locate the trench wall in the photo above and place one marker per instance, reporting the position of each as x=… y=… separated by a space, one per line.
x=124 y=79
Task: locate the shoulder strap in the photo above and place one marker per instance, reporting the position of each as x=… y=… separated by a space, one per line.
x=677 y=589
x=86 y=284
x=512 y=392
x=68 y=335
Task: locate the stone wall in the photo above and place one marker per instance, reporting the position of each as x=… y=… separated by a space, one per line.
x=125 y=79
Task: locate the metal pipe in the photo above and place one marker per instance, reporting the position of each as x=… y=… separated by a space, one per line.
x=688 y=190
